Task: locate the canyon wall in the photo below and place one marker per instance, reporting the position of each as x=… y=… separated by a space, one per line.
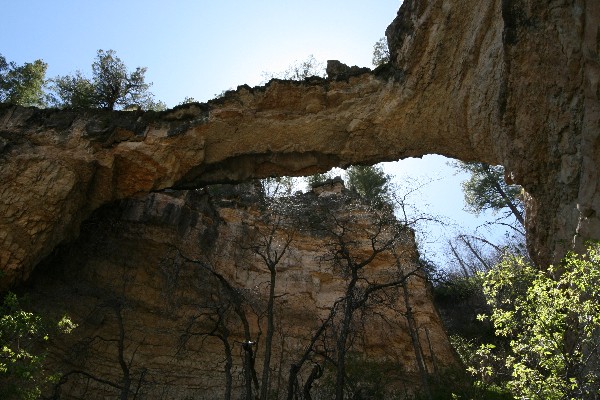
x=140 y=283
x=511 y=82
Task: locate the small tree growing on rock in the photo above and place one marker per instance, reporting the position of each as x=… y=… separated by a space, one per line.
x=111 y=87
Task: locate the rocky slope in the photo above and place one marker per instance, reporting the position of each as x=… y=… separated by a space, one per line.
x=141 y=284
x=512 y=82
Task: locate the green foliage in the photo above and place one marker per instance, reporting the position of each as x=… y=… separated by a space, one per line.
x=152 y=105
x=455 y=287
x=381 y=52
x=454 y=384
x=74 y=91
x=111 y=87
x=485 y=363
x=371 y=183
x=459 y=299
x=22 y=84
x=23 y=338
x=552 y=319
x=487 y=190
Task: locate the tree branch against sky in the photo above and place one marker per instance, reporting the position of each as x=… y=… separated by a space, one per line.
x=486 y=189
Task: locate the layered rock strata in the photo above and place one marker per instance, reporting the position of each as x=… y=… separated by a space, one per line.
x=511 y=82
x=140 y=283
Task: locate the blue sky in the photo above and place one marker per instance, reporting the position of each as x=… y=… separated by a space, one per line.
x=193 y=48
x=200 y=48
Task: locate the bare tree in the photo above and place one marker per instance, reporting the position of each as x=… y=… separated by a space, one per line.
x=355 y=236
x=213 y=320
x=269 y=238
x=217 y=310
x=125 y=385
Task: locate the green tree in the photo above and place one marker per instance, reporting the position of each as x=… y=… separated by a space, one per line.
x=189 y=100
x=381 y=52
x=23 y=338
x=111 y=87
x=486 y=189
x=552 y=321
x=22 y=84
x=74 y=91
x=371 y=182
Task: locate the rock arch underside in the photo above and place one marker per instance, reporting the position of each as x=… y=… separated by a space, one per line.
x=511 y=82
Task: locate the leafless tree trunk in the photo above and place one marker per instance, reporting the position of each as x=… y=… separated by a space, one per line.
x=382 y=236
x=121 y=353
x=271 y=243
x=414 y=337
x=315 y=374
x=296 y=367
x=349 y=308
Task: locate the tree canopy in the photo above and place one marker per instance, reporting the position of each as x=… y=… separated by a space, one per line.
x=22 y=84
x=371 y=182
x=111 y=87
x=486 y=189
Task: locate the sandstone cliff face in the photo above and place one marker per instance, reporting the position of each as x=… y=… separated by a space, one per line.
x=139 y=278
x=512 y=82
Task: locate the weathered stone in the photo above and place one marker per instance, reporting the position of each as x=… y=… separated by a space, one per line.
x=133 y=257
x=505 y=82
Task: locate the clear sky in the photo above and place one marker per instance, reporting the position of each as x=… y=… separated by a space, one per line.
x=195 y=48
x=191 y=47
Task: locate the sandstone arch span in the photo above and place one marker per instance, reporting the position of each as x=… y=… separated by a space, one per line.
x=512 y=82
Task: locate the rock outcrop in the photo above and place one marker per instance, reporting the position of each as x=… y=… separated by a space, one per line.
x=141 y=278
x=511 y=82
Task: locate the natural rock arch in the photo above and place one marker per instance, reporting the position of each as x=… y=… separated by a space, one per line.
x=512 y=82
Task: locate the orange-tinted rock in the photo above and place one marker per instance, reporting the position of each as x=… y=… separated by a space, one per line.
x=134 y=257
x=504 y=82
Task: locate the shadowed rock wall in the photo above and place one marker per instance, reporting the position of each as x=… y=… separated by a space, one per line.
x=128 y=283
x=512 y=82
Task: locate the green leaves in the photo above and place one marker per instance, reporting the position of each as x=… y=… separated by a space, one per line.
x=22 y=84
x=381 y=52
x=74 y=91
x=370 y=182
x=111 y=87
x=23 y=336
x=487 y=190
x=552 y=320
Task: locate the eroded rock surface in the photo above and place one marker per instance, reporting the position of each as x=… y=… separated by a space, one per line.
x=512 y=82
x=132 y=275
